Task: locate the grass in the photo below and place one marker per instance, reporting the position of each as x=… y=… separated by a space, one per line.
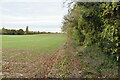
x=96 y=64
x=42 y=43
x=31 y=45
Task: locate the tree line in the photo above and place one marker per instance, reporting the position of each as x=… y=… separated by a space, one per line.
x=20 y=32
x=89 y=23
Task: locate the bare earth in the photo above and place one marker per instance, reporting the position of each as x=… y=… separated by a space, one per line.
x=46 y=66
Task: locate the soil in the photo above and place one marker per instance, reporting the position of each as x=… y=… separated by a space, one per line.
x=47 y=66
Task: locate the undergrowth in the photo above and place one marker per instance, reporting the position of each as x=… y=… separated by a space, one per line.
x=96 y=64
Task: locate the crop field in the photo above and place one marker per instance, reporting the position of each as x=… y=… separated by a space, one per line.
x=21 y=54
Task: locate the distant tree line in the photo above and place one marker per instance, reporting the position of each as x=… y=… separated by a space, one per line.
x=12 y=32
x=20 y=32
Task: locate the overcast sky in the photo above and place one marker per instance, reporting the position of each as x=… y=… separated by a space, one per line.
x=42 y=15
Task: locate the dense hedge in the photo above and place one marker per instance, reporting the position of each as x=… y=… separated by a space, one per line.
x=89 y=23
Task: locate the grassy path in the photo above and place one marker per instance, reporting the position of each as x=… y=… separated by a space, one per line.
x=68 y=65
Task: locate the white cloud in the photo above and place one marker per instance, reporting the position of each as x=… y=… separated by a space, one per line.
x=20 y=14
x=38 y=20
x=31 y=0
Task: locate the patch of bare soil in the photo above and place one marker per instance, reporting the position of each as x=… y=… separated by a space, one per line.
x=37 y=69
x=14 y=51
x=63 y=63
x=18 y=52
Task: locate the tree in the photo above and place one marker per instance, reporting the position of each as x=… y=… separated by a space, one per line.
x=89 y=23
x=27 y=31
x=20 y=32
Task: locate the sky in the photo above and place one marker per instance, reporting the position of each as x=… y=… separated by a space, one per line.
x=38 y=15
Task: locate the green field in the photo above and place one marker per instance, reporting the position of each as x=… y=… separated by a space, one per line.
x=30 y=47
x=29 y=55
